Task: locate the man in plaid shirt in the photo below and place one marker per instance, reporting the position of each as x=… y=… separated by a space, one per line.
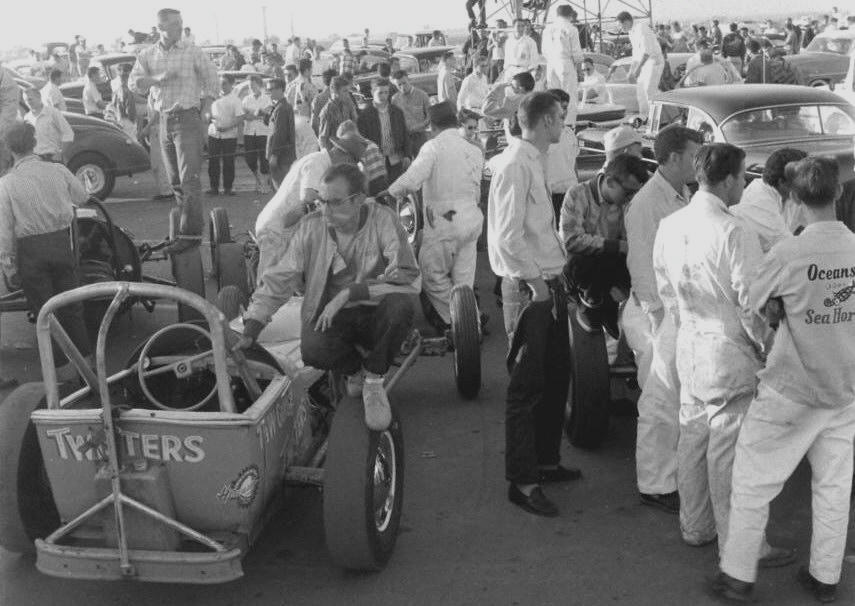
x=337 y=110
x=183 y=82
x=373 y=163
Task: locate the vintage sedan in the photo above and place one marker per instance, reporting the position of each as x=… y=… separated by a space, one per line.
x=101 y=151
x=110 y=65
x=826 y=59
x=759 y=118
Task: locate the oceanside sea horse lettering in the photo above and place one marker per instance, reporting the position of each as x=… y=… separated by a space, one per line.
x=840 y=296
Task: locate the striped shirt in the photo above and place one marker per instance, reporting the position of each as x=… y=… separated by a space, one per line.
x=36 y=197
x=192 y=76
x=373 y=163
x=346 y=63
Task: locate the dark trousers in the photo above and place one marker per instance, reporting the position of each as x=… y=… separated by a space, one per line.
x=557 y=203
x=417 y=139
x=539 y=363
x=181 y=135
x=255 y=152
x=393 y=171
x=380 y=329
x=221 y=152
x=482 y=5
x=48 y=266
x=595 y=275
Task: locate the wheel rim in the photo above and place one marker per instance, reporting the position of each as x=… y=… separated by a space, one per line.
x=384 y=481
x=93 y=178
x=407 y=214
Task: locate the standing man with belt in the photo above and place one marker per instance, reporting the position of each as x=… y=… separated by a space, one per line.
x=36 y=212
x=647 y=60
x=183 y=82
x=525 y=248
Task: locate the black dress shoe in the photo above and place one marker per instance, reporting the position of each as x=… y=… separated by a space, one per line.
x=560 y=474
x=823 y=592
x=163 y=197
x=535 y=503
x=669 y=503
x=731 y=591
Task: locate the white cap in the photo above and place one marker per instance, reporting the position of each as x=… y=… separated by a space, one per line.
x=620 y=137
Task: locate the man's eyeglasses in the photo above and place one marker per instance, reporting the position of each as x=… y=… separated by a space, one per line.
x=336 y=203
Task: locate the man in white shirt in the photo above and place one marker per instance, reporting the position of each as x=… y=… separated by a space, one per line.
x=299 y=188
x=292 y=52
x=93 y=103
x=256 y=106
x=226 y=114
x=189 y=38
x=703 y=277
x=805 y=402
x=53 y=133
x=301 y=91
x=448 y=171
x=593 y=86
x=647 y=60
x=561 y=157
x=474 y=88
x=525 y=250
x=563 y=54
x=51 y=95
x=446 y=85
x=649 y=331
x=521 y=54
x=503 y=101
x=766 y=207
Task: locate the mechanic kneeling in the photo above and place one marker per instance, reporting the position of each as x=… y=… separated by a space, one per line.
x=594 y=237
x=358 y=272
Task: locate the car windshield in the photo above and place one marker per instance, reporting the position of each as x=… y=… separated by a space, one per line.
x=789 y=122
x=408 y=64
x=838 y=46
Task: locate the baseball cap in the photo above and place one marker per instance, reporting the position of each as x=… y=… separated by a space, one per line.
x=620 y=137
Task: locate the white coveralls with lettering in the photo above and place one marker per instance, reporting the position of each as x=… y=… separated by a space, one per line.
x=805 y=405
x=703 y=274
x=448 y=170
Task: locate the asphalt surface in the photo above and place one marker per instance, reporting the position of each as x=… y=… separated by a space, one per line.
x=461 y=542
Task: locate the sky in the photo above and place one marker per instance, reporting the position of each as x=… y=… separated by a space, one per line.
x=102 y=21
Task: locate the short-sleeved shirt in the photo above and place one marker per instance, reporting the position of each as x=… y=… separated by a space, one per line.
x=52 y=130
x=306 y=173
x=91 y=99
x=194 y=76
x=255 y=126
x=224 y=112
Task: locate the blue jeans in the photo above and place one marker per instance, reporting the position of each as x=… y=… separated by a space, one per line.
x=181 y=138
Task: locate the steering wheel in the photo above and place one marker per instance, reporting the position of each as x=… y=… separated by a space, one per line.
x=181 y=366
x=185 y=366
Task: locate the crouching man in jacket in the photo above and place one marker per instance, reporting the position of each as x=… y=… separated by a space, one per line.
x=358 y=271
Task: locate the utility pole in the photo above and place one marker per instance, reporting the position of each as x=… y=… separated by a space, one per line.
x=264 y=22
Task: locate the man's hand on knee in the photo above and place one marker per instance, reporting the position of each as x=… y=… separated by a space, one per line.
x=326 y=317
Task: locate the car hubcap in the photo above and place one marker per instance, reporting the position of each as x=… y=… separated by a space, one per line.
x=385 y=476
x=92 y=177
